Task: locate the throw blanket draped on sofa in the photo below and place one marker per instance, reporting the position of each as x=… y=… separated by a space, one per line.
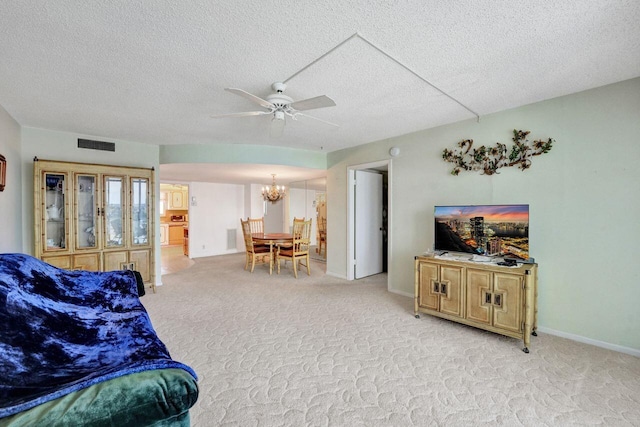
x=61 y=331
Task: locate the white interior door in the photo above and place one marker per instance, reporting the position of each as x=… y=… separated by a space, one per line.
x=368 y=223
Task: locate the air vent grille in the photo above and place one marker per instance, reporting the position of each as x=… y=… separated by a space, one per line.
x=96 y=145
x=232 y=234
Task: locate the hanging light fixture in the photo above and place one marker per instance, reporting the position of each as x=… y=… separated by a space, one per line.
x=274 y=193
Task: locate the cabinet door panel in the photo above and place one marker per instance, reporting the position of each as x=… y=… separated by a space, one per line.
x=142 y=262
x=55 y=209
x=164 y=234
x=114 y=260
x=509 y=314
x=428 y=276
x=139 y=211
x=452 y=301
x=86 y=209
x=478 y=288
x=177 y=200
x=114 y=210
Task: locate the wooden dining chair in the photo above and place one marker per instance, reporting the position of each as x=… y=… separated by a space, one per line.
x=262 y=253
x=322 y=237
x=300 y=248
x=256 y=225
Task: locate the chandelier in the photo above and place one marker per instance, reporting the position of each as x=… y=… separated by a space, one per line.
x=274 y=193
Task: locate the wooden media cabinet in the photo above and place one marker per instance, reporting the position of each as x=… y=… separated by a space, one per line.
x=484 y=295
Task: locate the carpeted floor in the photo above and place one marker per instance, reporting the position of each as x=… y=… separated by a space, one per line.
x=320 y=351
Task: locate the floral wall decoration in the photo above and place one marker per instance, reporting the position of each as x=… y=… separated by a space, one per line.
x=490 y=159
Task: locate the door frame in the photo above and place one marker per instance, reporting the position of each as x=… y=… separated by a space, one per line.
x=380 y=165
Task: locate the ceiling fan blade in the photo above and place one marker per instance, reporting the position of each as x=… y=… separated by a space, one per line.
x=244 y=114
x=250 y=97
x=315 y=118
x=321 y=101
x=277 y=128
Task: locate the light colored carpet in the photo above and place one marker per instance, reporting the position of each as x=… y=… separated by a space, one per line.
x=320 y=351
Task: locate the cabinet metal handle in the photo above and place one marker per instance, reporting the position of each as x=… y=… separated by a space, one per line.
x=497 y=300
x=487 y=298
x=443 y=288
x=436 y=287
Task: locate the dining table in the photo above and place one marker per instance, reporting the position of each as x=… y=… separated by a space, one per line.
x=272 y=239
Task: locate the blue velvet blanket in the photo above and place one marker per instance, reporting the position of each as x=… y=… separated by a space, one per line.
x=61 y=331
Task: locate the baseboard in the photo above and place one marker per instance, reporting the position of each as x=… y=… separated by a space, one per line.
x=404 y=294
x=339 y=276
x=585 y=340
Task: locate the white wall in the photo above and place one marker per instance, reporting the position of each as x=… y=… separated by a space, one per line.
x=219 y=208
x=253 y=202
x=11 y=197
x=583 y=196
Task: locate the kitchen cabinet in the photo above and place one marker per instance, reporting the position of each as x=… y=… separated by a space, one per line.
x=164 y=234
x=178 y=200
x=94 y=217
x=176 y=234
x=488 y=296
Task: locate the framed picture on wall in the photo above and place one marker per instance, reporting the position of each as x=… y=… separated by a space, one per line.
x=3 y=172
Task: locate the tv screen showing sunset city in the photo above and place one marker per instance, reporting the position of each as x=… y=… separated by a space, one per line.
x=489 y=230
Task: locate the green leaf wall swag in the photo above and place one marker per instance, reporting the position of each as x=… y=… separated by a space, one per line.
x=490 y=159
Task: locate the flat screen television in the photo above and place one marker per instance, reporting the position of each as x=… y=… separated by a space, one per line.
x=487 y=230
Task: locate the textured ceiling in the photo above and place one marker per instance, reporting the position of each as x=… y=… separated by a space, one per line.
x=155 y=71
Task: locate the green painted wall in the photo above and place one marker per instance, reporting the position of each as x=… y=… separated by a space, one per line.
x=242 y=154
x=584 y=204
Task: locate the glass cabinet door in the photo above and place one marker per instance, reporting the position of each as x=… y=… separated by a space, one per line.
x=113 y=211
x=55 y=230
x=86 y=211
x=140 y=211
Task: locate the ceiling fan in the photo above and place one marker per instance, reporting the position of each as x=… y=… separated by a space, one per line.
x=280 y=105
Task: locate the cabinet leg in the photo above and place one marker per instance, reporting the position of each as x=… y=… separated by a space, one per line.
x=417 y=316
x=526 y=350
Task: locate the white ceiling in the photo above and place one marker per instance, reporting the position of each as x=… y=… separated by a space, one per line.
x=155 y=71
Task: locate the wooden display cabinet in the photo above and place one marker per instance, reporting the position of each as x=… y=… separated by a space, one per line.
x=495 y=298
x=94 y=217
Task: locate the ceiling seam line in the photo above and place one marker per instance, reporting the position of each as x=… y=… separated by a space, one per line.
x=419 y=76
x=390 y=57
x=321 y=57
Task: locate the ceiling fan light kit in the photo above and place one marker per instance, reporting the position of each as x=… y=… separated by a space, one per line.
x=279 y=106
